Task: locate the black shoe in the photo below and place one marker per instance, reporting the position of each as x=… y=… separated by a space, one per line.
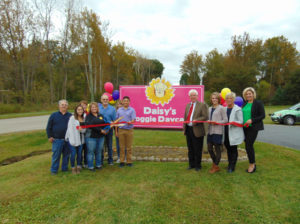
x=129 y=164
x=252 y=170
x=98 y=167
x=198 y=169
x=92 y=170
x=121 y=165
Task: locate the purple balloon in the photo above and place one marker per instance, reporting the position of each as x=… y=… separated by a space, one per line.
x=239 y=101
x=116 y=94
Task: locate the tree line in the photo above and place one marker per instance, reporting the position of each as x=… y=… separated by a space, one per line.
x=271 y=66
x=42 y=61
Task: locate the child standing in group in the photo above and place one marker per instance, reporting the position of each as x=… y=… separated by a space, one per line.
x=75 y=137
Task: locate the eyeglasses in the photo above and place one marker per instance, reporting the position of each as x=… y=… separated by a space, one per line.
x=104 y=99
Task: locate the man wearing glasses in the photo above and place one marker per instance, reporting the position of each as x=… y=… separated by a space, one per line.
x=109 y=113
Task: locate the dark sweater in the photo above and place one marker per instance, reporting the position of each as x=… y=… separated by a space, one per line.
x=58 y=124
x=257 y=115
x=95 y=132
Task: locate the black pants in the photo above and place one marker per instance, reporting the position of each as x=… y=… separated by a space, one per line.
x=250 y=137
x=232 y=152
x=214 y=154
x=195 y=146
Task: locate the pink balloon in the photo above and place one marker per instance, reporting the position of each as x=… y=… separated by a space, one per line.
x=224 y=104
x=109 y=96
x=109 y=87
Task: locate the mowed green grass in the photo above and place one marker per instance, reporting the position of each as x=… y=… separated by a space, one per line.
x=19 y=144
x=152 y=192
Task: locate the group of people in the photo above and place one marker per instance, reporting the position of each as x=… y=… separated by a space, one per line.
x=250 y=117
x=80 y=137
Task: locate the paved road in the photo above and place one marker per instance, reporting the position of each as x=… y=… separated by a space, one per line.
x=288 y=136
x=283 y=135
x=23 y=124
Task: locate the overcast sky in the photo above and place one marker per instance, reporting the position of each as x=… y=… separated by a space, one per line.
x=168 y=30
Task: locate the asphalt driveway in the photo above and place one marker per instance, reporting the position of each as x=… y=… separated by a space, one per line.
x=283 y=135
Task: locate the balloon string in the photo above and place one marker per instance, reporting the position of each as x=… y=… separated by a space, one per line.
x=162 y=123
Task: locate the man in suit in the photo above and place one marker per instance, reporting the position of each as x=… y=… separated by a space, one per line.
x=195 y=132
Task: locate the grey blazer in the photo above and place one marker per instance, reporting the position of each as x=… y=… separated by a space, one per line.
x=236 y=134
x=220 y=116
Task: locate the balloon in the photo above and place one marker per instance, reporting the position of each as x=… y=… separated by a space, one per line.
x=224 y=104
x=109 y=96
x=239 y=101
x=108 y=86
x=112 y=102
x=116 y=94
x=222 y=100
x=224 y=92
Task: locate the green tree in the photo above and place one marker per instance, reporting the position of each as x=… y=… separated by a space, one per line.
x=280 y=60
x=192 y=65
x=123 y=64
x=213 y=78
x=242 y=63
x=184 y=79
x=293 y=87
x=157 y=68
x=16 y=25
x=263 y=89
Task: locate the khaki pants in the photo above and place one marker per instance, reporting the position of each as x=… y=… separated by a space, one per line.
x=125 y=141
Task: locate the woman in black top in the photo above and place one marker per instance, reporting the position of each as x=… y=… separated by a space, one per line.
x=253 y=115
x=95 y=136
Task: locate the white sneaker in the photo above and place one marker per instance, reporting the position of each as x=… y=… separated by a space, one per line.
x=118 y=161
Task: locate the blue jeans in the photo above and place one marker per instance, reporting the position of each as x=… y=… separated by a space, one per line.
x=60 y=146
x=75 y=150
x=95 y=147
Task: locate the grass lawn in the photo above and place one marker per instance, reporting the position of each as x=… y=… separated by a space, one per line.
x=150 y=192
x=20 y=144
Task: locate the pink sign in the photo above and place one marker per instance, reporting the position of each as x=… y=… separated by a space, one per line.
x=160 y=102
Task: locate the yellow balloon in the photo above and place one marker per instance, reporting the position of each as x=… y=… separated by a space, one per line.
x=112 y=102
x=224 y=92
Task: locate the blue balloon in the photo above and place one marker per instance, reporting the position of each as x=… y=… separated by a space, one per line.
x=239 y=101
x=116 y=94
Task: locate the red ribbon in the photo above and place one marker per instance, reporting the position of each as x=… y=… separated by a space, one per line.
x=164 y=123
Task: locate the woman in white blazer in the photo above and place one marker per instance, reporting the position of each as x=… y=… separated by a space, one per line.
x=75 y=137
x=233 y=135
